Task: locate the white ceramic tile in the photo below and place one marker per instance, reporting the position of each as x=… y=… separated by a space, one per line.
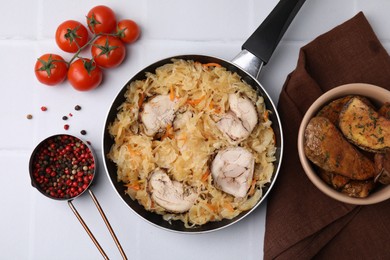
x=16 y=203
x=55 y=224
x=17 y=70
x=317 y=17
x=261 y=9
x=198 y=20
x=164 y=49
x=377 y=13
x=282 y=62
x=19 y=19
x=234 y=242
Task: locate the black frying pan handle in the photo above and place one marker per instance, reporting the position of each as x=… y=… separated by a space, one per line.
x=267 y=36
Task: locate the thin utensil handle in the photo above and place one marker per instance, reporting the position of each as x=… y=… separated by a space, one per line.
x=107 y=224
x=87 y=229
x=267 y=36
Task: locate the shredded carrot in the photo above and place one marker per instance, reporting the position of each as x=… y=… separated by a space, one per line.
x=212 y=64
x=252 y=189
x=183 y=137
x=141 y=99
x=265 y=115
x=132 y=152
x=228 y=206
x=216 y=108
x=133 y=186
x=212 y=207
x=194 y=102
x=205 y=175
x=171 y=93
x=168 y=132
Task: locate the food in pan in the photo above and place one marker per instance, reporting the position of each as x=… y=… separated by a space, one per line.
x=193 y=142
x=342 y=141
x=232 y=170
x=239 y=121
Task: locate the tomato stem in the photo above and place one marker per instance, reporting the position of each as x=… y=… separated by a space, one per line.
x=76 y=55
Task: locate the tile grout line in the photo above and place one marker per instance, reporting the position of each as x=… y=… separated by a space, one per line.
x=32 y=226
x=39 y=19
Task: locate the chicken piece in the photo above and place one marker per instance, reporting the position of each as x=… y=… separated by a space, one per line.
x=232 y=170
x=171 y=195
x=181 y=119
x=364 y=127
x=238 y=123
x=326 y=147
x=157 y=114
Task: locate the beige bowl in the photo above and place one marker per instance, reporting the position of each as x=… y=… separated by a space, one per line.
x=378 y=96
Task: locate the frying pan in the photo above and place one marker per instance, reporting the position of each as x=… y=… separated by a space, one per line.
x=256 y=52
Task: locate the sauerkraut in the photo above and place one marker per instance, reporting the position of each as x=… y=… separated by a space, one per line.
x=186 y=154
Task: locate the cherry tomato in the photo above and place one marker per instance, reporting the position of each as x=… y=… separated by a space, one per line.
x=108 y=51
x=84 y=75
x=50 y=69
x=128 y=31
x=71 y=35
x=101 y=19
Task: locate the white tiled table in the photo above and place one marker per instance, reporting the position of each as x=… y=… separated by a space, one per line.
x=34 y=227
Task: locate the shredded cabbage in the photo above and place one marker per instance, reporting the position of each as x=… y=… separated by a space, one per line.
x=186 y=153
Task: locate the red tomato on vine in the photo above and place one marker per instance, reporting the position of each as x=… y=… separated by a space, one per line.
x=128 y=31
x=71 y=35
x=108 y=51
x=50 y=69
x=84 y=75
x=101 y=19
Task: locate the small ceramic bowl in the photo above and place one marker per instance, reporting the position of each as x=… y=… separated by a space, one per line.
x=377 y=96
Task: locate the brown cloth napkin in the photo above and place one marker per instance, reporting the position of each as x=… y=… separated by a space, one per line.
x=301 y=221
